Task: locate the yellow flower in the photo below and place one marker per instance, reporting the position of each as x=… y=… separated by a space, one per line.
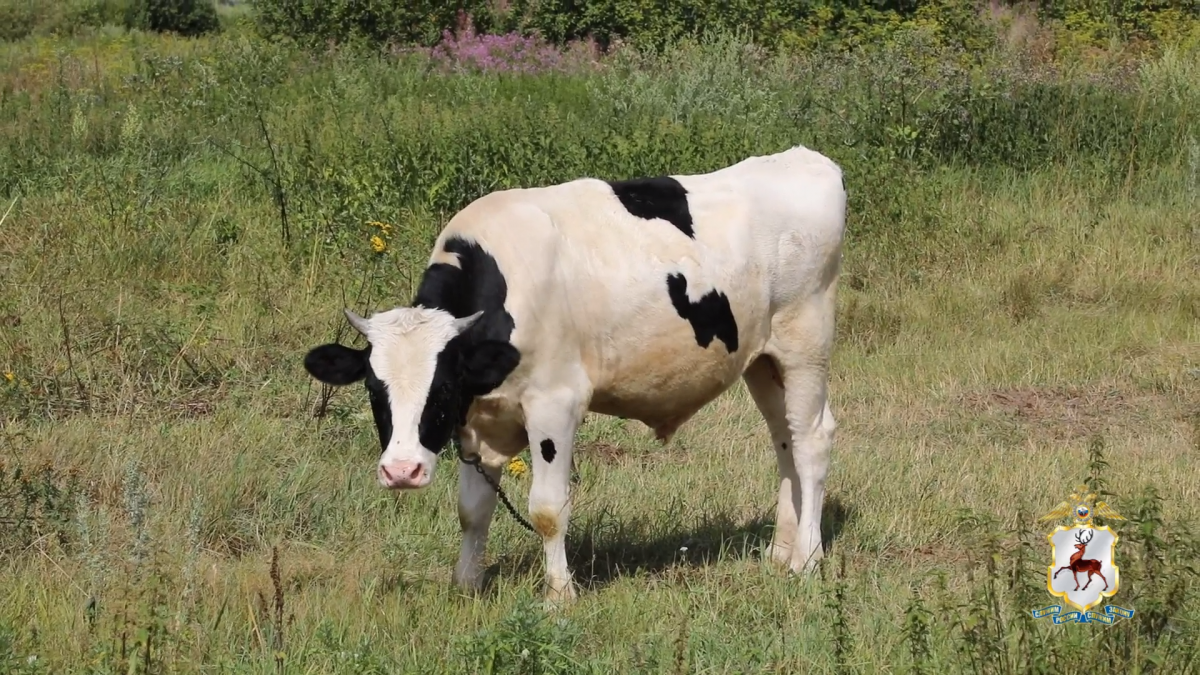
x=383 y=227
x=10 y=376
x=377 y=244
x=517 y=467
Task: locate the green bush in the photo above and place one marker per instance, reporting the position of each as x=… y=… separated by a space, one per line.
x=648 y=23
x=22 y=18
x=1123 y=20
x=186 y=17
x=372 y=21
x=18 y=18
x=651 y=23
x=528 y=640
x=655 y=24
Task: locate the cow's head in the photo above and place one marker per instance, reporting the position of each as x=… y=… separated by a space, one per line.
x=422 y=367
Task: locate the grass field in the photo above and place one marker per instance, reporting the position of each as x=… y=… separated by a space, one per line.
x=184 y=219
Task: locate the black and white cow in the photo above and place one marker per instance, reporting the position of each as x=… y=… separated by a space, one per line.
x=644 y=299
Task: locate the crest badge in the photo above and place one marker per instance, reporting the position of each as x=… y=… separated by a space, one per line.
x=1083 y=570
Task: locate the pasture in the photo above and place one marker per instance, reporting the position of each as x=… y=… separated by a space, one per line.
x=1019 y=313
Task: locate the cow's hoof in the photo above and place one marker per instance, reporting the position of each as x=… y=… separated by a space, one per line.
x=806 y=567
x=472 y=583
x=467 y=589
x=560 y=597
x=780 y=556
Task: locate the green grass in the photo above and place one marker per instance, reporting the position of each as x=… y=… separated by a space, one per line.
x=1007 y=310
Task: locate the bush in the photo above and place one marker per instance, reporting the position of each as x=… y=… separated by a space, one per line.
x=654 y=24
x=1120 y=20
x=528 y=640
x=648 y=23
x=377 y=22
x=18 y=18
x=186 y=17
x=22 y=18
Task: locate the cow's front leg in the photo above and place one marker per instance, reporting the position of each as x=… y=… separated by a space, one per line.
x=551 y=422
x=476 y=505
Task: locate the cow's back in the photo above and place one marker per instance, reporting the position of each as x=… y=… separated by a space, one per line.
x=662 y=308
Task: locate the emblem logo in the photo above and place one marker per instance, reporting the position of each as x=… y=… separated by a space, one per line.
x=1083 y=570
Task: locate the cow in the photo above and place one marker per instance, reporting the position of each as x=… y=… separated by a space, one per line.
x=643 y=299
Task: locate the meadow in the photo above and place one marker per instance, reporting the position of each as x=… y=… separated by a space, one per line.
x=182 y=219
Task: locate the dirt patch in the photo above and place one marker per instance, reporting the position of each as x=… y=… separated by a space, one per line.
x=1069 y=411
x=602 y=451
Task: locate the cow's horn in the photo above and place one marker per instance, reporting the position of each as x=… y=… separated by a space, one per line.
x=359 y=323
x=464 y=323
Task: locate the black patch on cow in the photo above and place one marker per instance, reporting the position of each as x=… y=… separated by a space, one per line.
x=380 y=410
x=481 y=357
x=337 y=365
x=472 y=364
x=661 y=197
x=548 y=450
x=711 y=317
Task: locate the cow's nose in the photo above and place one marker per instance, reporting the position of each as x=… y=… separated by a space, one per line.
x=403 y=475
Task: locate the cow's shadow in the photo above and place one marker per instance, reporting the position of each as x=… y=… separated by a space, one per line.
x=601 y=550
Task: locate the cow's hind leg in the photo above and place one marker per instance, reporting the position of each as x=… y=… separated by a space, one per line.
x=476 y=506
x=801 y=345
x=551 y=419
x=765 y=383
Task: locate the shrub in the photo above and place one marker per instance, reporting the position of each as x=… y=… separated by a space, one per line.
x=528 y=640
x=510 y=52
x=186 y=17
x=648 y=23
x=772 y=23
x=18 y=18
x=22 y=18
x=315 y=22
x=1144 y=19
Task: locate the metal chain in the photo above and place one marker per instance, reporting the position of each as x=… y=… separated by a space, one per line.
x=477 y=463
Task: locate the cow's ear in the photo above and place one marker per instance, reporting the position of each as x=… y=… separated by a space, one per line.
x=485 y=364
x=336 y=364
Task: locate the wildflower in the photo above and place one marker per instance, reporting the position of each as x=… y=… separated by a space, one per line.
x=511 y=52
x=10 y=376
x=517 y=467
x=383 y=227
x=377 y=244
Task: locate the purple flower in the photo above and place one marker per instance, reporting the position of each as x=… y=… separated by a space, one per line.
x=512 y=52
